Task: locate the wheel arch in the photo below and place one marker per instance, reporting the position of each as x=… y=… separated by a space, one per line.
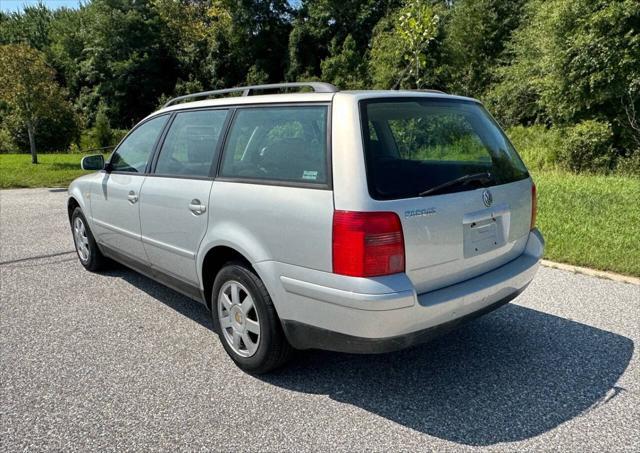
x=213 y=261
x=72 y=204
x=79 y=196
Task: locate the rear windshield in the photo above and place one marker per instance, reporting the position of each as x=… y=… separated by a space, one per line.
x=416 y=144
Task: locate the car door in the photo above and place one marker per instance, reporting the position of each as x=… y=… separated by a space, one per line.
x=175 y=197
x=114 y=201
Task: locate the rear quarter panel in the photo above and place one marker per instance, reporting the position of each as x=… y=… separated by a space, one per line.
x=289 y=225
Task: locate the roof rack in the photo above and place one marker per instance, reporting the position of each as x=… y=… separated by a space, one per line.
x=428 y=90
x=318 y=87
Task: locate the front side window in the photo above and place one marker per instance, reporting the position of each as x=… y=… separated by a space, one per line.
x=413 y=145
x=278 y=144
x=134 y=152
x=190 y=145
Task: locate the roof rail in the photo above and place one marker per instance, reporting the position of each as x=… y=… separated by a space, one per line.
x=318 y=87
x=428 y=90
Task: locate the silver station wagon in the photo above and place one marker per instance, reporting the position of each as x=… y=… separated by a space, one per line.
x=352 y=221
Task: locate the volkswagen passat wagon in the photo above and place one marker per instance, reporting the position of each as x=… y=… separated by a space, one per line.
x=355 y=221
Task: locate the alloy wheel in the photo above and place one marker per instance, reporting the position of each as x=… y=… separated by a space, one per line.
x=238 y=318
x=81 y=239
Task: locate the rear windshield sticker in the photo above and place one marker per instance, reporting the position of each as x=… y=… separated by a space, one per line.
x=310 y=174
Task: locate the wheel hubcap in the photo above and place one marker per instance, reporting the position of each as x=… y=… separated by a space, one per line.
x=81 y=239
x=238 y=318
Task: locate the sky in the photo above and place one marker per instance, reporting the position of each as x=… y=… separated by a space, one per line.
x=17 y=5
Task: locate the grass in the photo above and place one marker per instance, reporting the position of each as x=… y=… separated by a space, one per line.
x=587 y=220
x=591 y=221
x=53 y=170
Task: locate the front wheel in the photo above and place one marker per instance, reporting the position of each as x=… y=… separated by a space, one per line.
x=88 y=252
x=246 y=320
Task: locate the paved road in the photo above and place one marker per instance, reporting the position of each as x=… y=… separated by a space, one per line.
x=118 y=362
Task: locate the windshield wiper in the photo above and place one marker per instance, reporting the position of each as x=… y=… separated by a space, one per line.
x=480 y=177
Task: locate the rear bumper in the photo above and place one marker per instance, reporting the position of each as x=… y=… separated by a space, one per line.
x=304 y=336
x=389 y=315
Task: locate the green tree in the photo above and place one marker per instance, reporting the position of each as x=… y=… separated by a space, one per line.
x=102 y=129
x=126 y=62
x=346 y=67
x=417 y=26
x=320 y=28
x=66 y=49
x=31 y=26
x=402 y=45
x=223 y=43
x=476 y=32
x=28 y=87
x=259 y=33
x=196 y=32
x=574 y=60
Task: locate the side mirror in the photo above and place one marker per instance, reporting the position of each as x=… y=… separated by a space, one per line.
x=94 y=162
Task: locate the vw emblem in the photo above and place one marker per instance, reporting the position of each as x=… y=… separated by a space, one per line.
x=487 y=198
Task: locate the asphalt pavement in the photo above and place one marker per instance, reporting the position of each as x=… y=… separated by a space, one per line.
x=115 y=361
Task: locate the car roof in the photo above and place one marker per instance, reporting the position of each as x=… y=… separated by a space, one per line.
x=247 y=100
x=304 y=97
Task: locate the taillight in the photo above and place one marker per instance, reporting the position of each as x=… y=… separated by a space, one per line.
x=367 y=244
x=534 y=205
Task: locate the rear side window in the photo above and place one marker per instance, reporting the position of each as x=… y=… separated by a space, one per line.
x=278 y=144
x=134 y=152
x=190 y=145
x=416 y=144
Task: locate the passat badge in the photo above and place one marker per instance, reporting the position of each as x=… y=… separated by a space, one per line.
x=487 y=198
x=419 y=212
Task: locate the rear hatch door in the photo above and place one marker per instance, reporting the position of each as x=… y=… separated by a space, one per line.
x=449 y=172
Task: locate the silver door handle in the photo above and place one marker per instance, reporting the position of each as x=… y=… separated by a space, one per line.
x=197 y=207
x=132 y=197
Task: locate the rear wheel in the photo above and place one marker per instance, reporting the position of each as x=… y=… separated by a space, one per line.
x=246 y=320
x=86 y=248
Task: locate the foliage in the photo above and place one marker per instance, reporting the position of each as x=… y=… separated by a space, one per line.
x=7 y=144
x=573 y=60
x=89 y=140
x=30 y=27
x=587 y=147
x=476 y=33
x=54 y=132
x=400 y=47
x=629 y=165
x=102 y=128
x=127 y=61
x=385 y=56
x=35 y=101
x=320 y=25
x=538 y=145
x=345 y=67
x=416 y=27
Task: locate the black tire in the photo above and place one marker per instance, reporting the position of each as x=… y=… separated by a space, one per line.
x=273 y=350
x=95 y=260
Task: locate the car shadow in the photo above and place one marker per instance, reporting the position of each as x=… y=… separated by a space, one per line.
x=508 y=376
x=182 y=304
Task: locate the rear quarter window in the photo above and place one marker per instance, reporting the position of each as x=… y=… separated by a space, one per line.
x=287 y=144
